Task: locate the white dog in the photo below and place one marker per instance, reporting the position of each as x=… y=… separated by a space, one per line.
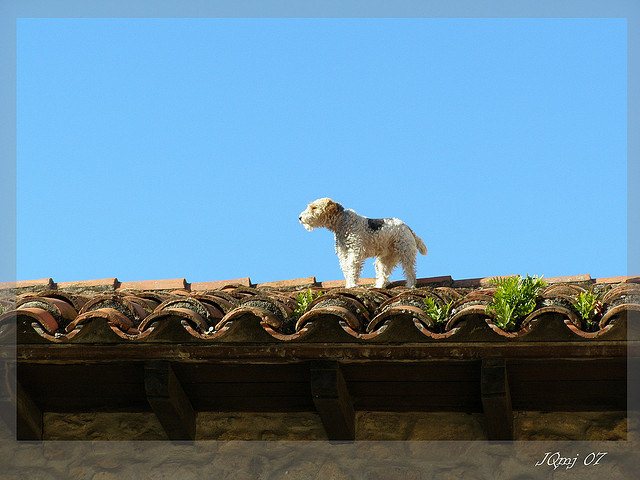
x=390 y=240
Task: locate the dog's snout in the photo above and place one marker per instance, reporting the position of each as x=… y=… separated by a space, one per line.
x=300 y=218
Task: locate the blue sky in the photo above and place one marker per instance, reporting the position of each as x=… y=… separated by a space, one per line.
x=162 y=148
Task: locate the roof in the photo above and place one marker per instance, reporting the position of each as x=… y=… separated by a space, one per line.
x=239 y=312
x=179 y=348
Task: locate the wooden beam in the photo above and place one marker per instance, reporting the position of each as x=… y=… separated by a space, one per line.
x=29 y=423
x=332 y=400
x=293 y=351
x=496 y=399
x=20 y=413
x=169 y=402
x=7 y=395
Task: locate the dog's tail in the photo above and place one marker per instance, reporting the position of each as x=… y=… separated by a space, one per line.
x=422 y=248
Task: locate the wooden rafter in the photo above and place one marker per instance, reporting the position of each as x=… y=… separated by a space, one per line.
x=496 y=399
x=169 y=402
x=332 y=400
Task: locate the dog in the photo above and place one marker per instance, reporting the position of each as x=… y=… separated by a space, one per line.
x=390 y=240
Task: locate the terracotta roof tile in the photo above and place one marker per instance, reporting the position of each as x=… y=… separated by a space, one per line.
x=108 y=283
x=467 y=283
x=488 y=281
x=220 y=284
x=619 y=279
x=341 y=283
x=20 y=284
x=569 y=279
x=167 y=284
x=296 y=282
x=165 y=310
x=425 y=282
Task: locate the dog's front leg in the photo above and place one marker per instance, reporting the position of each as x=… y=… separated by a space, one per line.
x=351 y=265
x=352 y=269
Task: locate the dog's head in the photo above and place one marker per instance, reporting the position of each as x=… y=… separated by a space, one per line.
x=320 y=213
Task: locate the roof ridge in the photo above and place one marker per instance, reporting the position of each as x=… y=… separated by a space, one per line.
x=113 y=283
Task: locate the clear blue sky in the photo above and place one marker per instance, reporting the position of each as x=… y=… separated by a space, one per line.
x=187 y=147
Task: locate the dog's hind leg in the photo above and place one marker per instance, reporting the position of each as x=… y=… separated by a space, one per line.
x=384 y=267
x=409 y=267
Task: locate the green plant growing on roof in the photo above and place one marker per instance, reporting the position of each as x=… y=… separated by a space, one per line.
x=589 y=308
x=514 y=299
x=439 y=313
x=303 y=300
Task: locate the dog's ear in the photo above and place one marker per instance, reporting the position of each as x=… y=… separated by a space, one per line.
x=334 y=208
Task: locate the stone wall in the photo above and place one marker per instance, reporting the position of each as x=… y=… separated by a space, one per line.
x=303 y=460
x=377 y=426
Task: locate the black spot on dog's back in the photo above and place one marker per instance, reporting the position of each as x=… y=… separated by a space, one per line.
x=375 y=223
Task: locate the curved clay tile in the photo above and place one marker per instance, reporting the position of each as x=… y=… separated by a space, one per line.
x=61 y=310
x=561 y=290
x=180 y=292
x=482 y=295
x=325 y=294
x=221 y=303
x=564 y=301
x=449 y=294
x=621 y=310
x=330 y=312
x=196 y=318
x=347 y=308
x=249 y=324
x=29 y=325
x=135 y=309
x=179 y=310
x=327 y=324
x=90 y=324
x=271 y=304
x=415 y=298
x=264 y=315
x=384 y=293
x=413 y=303
x=40 y=315
x=290 y=303
x=295 y=293
x=76 y=301
x=403 y=324
x=156 y=297
x=364 y=297
x=475 y=303
x=550 y=323
x=623 y=293
x=255 y=318
x=151 y=299
x=171 y=326
x=505 y=334
x=232 y=286
x=465 y=312
x=543 y=324
x=400 y=309
x=285 y=337
x=146 y=305
x=218 y=294
x=209 y=312
x=243 y=292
